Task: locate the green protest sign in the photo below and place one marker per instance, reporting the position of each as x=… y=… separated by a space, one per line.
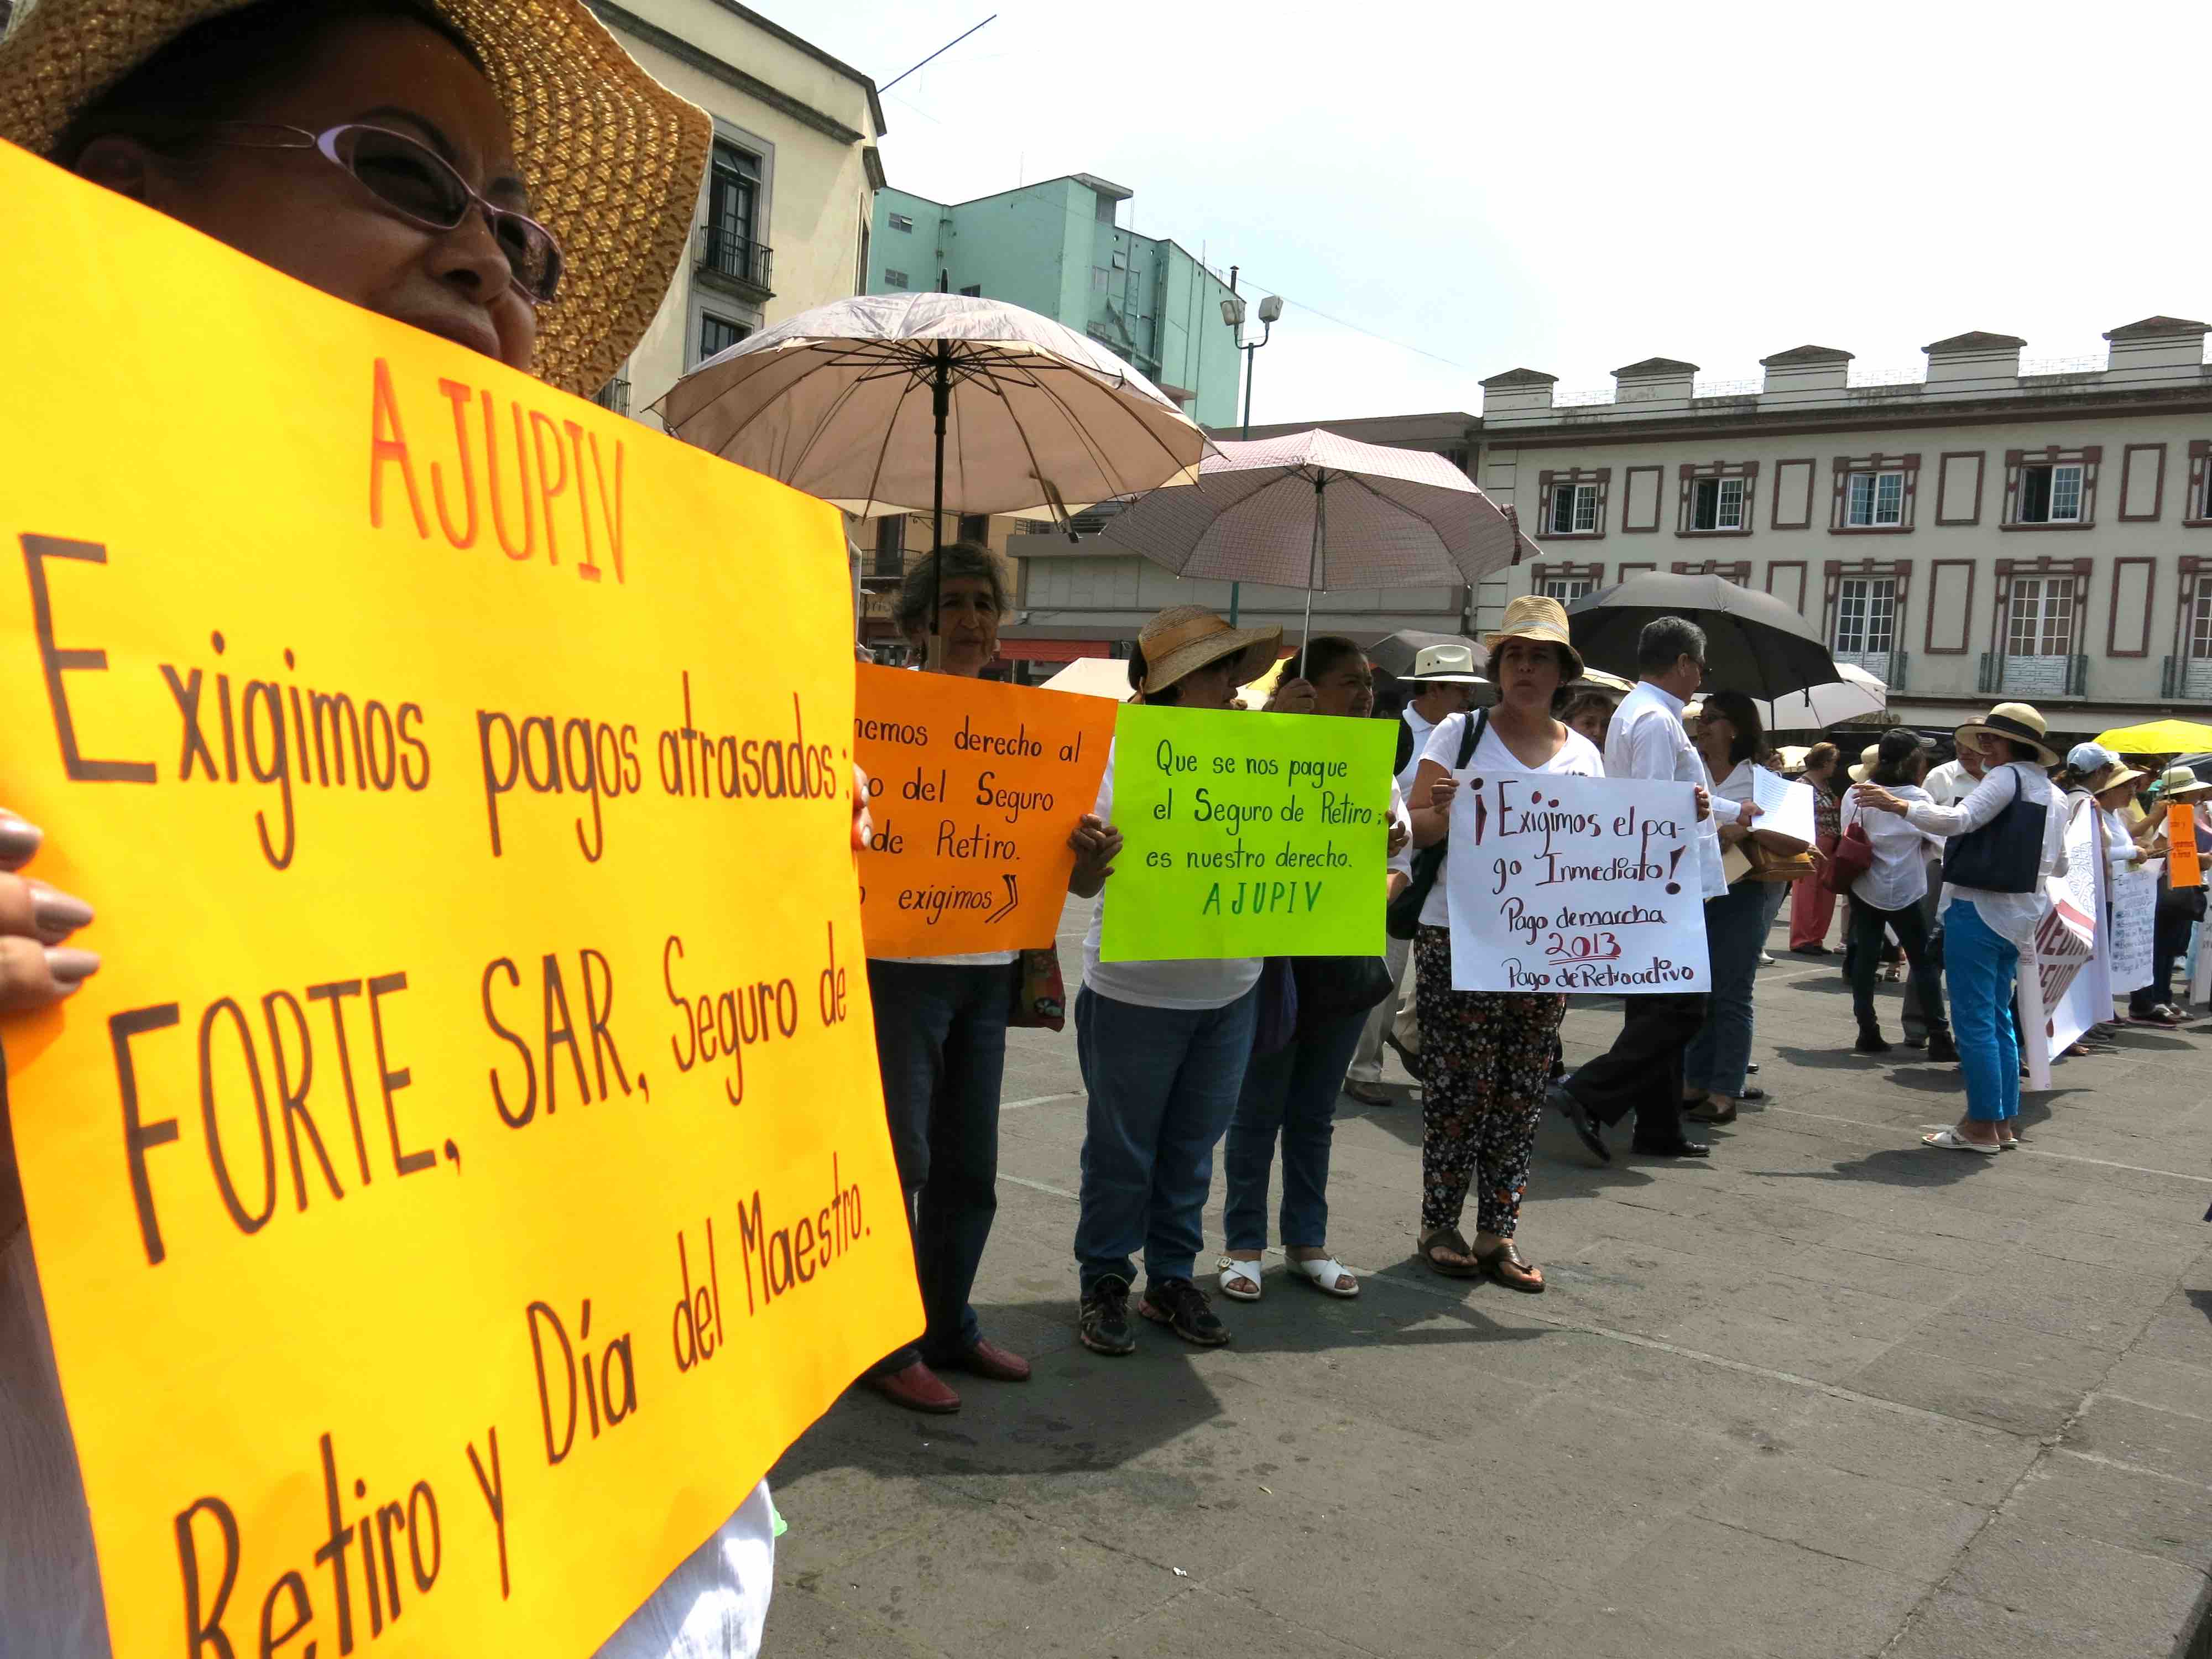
x=1247 y=834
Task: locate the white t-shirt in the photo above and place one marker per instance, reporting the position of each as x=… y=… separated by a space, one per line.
x=1897 y=878
x=1578 y=756
x=1190 y=983
x=1420 y=726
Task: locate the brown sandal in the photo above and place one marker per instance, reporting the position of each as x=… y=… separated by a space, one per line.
x=1449 y=1238
x=1499 y=1264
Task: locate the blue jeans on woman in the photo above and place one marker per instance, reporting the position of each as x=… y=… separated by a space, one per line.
x=941 y=1046
x=1291 y=1092
x=1163 y=1084
x=1980 y=964
x=1735 y=932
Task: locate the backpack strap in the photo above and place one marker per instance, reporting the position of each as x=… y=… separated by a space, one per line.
x=1470 y=738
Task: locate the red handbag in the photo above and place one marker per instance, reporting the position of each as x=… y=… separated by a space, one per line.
x=1851 y=858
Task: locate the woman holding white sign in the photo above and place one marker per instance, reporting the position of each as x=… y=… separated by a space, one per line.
x=2007 y=840
x=1716 y=1065
x=1487 y=1055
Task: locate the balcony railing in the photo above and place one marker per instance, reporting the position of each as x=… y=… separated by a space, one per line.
x=614 y=395
x=742 y=260
x=2033 y=675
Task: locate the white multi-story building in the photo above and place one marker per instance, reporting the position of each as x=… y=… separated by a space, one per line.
x=1991 y=528
x=783 y=215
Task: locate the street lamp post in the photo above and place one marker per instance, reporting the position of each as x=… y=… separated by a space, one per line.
x=1232 y=312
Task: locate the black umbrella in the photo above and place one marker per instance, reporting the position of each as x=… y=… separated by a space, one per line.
x=1754 y=642
x=1393 y=653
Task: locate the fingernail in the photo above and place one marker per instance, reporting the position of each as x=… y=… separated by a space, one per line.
x=67 y=966
x=18 y=840
x=55 y=914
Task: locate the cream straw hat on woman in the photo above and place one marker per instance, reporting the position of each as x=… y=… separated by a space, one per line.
x=613 y=159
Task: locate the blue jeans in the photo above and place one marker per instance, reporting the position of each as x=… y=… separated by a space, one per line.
x=941 y=1046
x=1735 y=931
x=1980 y=964
x=1294 y=1092
x=1163 y=1084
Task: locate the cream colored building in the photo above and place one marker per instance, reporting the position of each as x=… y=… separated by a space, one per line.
x=782 y=219
x=1990 y=528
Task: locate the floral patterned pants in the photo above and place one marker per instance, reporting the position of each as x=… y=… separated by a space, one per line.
x=1486 y=1057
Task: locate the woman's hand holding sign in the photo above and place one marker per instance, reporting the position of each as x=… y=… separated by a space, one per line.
x=1097 y=844
x=37 y=967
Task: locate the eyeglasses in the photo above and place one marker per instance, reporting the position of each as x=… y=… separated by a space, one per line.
x=417 y=185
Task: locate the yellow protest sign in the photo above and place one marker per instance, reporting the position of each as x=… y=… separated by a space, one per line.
x=973 y=790
x=468 y=1171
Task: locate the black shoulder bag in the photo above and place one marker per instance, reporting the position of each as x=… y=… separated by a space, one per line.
x=2005 y=855
x=1429 y=862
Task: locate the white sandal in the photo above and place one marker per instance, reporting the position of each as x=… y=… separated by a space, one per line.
x=1239 y=1280
x=1951 y=1141
x=1322 y=1272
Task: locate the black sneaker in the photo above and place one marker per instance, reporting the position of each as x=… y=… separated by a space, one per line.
x=1183 y=1308
x=1871 y=1041
x=1941 y=1046
x=1105 y=1325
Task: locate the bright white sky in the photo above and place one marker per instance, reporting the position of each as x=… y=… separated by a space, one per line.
x=1572 y=188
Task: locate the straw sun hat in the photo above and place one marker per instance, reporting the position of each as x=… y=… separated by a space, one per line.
x=1535 y=616
x=1867 y=757
x=613 y=158
x=2016 y=721
x=1185 y=638
x=2178 y=782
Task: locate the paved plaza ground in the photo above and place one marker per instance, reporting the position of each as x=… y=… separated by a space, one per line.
x=1829 y=1395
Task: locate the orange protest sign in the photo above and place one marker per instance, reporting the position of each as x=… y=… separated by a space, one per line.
x=974 y=789
x=2184 y=867
x=468 y=1172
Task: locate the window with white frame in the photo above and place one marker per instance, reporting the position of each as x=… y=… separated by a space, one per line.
x=2042 y=620
x=1875 y=499
x=2050 y=494
x=1565 y=589
x=1866 y=616
x=1574 y=509
x=1717 y=504
x=894 y=278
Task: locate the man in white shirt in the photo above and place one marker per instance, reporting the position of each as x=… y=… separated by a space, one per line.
x=1642 y=1071
x=1446 y=679
x=1953 y=781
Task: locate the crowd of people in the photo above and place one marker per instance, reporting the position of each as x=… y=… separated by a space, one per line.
x=383 y=152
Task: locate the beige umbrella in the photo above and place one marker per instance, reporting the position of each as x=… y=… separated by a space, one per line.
x=934 y=402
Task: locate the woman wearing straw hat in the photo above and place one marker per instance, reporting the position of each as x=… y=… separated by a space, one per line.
x=497 y=171
x=2179 y=909
x=1487 y=1055
x=1163 y=1047
x=2007 y=839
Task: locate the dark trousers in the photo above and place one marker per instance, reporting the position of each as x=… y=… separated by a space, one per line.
x=1925 y=991
x=1919 y=994
x=1641 y=1072
x=2179 y=910
x=941 y=1046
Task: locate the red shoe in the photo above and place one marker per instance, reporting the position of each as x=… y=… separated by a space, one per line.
x=987 y=1358
x=917 y=1388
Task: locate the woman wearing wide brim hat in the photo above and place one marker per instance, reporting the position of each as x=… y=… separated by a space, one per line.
x=530 y=204
x=1487 y=1056
x=1163 y=1046
x=2179 y=909
x=2009 y=835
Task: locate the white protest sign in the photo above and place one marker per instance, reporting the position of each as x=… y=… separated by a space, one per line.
x=1784 y=808
x=2135 y=908
x=2065 y=948
x=1581 y=885
x=2087 y=997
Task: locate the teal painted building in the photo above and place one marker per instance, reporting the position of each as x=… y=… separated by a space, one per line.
x=1055 y=248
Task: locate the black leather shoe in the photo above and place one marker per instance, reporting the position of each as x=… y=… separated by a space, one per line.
x=1585 y=1127
x=1683 y=1147
x=1753 y=1094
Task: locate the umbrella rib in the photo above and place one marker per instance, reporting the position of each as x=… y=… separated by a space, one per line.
x=1098 y=451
